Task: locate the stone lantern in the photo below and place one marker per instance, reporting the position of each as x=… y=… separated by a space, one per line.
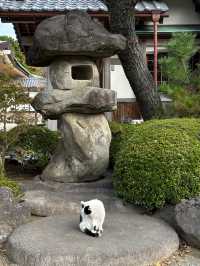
x=70 y=45
x=68 y=73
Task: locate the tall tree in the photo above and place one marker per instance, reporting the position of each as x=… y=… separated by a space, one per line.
x=13 y=99
x=19 y=54
x=133 y=58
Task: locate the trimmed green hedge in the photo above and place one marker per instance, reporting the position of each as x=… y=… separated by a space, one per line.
x=158 y=162
x=119 y=135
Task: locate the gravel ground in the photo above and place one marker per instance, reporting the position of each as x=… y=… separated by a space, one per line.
x=185 y=256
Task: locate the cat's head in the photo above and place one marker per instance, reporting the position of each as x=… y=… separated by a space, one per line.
x=86 y=208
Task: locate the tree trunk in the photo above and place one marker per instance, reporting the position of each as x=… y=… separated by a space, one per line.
x=133 y=59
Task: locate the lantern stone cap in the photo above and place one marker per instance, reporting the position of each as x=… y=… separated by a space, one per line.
x=76 y=34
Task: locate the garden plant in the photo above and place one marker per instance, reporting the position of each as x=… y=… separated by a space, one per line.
x=182 y=83
x=157 y=162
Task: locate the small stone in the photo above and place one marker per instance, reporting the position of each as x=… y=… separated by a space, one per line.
x=187 y=215
x=12 y=213
x=6 y=196
x=5 y=231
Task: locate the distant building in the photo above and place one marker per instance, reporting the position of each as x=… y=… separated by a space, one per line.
x=32 y=84
x=155 y=23
x=182 y=16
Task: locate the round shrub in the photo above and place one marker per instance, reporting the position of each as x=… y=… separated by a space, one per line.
x=159 y=162
x=35 y=146
x=119 y=132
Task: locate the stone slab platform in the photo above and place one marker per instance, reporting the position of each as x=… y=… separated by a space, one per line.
x=128 y=239
x=49 y=203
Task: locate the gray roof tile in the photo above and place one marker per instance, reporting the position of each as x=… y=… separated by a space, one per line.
x=33 y=82
x=52 y=5
x=149 y=6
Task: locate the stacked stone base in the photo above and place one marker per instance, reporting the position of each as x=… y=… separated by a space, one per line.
x=83 y=152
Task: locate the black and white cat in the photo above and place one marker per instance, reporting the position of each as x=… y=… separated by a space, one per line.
x=92 y=217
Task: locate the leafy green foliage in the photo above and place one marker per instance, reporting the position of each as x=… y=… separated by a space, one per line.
x=186 y=103
x=12 y=106
x=12 y=94
x=182 y=46
x=19 y=55
x=159 y=162
x=119 y=132
x=5 y=182
x=35 y=144
x=183 y=84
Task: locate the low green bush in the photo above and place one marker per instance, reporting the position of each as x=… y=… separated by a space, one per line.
x=35 y=146
x=158 y=162
x=119 y=132
x=5 y=182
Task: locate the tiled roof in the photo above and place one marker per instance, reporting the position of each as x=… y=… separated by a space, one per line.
x=167 y=29
x=149 y=6
x=4 y=45
x=52 y=5
x=40 y=83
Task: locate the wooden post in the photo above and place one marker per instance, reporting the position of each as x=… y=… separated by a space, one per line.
x=106 y=81
x=155 y=18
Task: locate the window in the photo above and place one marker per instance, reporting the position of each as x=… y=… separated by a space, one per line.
x=82 y=72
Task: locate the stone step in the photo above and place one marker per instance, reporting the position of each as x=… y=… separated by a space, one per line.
x=48 y=203
x=99 y=186
x=129 y=239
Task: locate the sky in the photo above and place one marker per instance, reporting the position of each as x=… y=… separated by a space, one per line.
x=7 y=29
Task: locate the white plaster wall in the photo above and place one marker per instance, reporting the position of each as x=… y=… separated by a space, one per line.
x=119 y=83
x=9 y=126
x=32 y=94
x=182 y=12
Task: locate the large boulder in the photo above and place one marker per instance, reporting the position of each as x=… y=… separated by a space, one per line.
x=83 y=153
x=12 y=214
x=129 y=239
x=50 y=203
x=90 y=100
x=75 y=33
x=187 y=215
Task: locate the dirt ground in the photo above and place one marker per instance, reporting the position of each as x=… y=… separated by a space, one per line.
x=16 y=172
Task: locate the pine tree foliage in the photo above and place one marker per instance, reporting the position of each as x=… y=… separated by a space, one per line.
x=183 y=81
